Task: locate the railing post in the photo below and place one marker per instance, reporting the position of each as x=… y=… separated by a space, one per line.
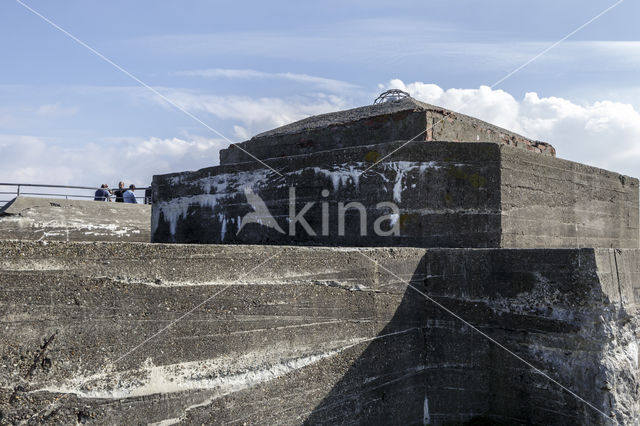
x=18 y=192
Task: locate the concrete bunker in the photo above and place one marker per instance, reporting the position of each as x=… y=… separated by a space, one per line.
x=536 y=253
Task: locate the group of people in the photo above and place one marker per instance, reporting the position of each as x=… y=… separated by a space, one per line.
x=121 y=194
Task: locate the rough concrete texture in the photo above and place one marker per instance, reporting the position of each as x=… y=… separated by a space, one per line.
x=297 y=335
x=455 y=189
x=405 y=119
x=53 y=219
x=549 y=202
x=448 y=195
x=569 y=312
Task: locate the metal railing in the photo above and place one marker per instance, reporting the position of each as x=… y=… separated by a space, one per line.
x=68 y=192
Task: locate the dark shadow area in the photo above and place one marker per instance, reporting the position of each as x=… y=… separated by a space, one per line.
x=442 y=371
x=386 y=383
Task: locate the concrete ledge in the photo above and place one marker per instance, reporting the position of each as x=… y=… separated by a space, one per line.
x=53 y=219
x=326 y=335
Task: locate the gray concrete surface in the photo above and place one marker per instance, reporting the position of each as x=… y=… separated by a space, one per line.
x=448 y=195
x=298 y=335
x=550 y=202
x=54 y=219
x=405 y=119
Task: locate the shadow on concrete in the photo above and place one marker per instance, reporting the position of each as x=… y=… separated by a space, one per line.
x=386 y=383
x=437 y=370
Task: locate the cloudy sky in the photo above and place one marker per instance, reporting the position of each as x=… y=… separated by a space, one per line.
x=69 y=117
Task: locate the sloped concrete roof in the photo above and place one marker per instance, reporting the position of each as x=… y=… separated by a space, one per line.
x=403 y=119
x=351 y=115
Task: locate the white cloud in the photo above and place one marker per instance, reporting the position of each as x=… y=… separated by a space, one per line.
x=604 y=134
x=495 y=106
x=35 y=159
x=255 y=115
x=319 y=82
x=29 y=159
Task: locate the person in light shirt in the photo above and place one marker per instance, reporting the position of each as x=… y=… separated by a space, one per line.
x=129 y=196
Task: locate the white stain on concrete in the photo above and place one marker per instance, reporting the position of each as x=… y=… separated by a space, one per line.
x=426 y=418
x=342 y=174
x=402 y=168
x=223 y=225
x=222 y=375
x=60 y=227
x=214 y=189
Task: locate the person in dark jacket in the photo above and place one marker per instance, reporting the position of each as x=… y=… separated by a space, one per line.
x=148 y=195
x=103 y=193
x=119 y=192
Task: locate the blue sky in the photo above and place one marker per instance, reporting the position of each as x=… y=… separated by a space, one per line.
x=68 y=117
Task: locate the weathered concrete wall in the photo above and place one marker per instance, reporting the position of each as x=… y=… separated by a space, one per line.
x=550 y=202
x=296 y=335
x=572 y=313
x=448 y=195
x=375 y=129
x=268 y=349
x=53 y=219
x=406 y=119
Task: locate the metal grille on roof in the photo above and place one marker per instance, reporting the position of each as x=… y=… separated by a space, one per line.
x=391 y=96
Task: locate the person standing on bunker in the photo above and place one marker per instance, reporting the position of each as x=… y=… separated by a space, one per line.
x=103 y=193
x=129 y=196
x=118 y=192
